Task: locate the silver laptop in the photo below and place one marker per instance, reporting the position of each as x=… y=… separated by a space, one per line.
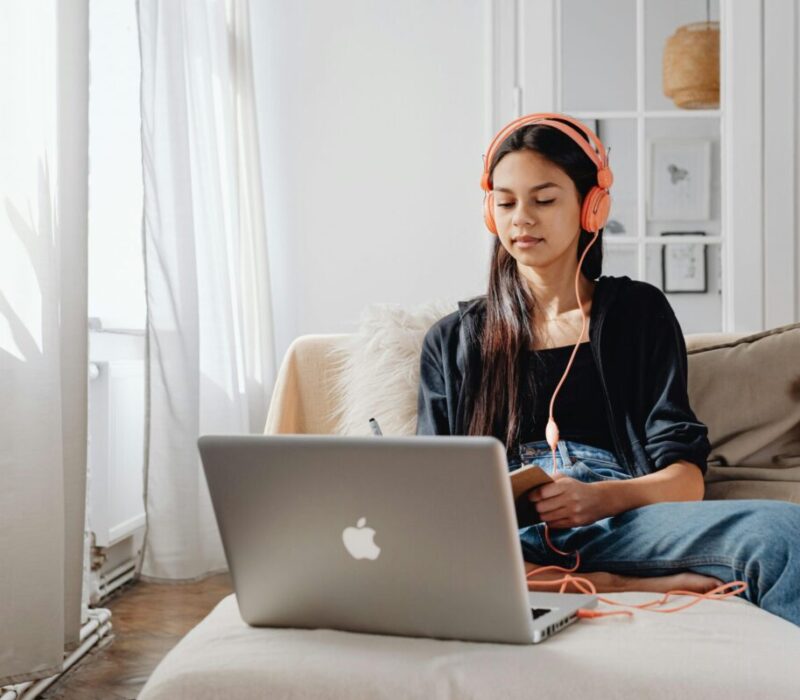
x=414 y=536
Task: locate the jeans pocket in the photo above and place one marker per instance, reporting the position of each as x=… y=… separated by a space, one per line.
x=597 y=470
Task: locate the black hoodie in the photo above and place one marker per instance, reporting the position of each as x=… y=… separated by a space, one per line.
x=638 y=348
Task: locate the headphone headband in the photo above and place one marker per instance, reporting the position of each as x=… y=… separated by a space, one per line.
x=599 y=158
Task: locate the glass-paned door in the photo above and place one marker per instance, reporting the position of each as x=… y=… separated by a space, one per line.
x=666 y=224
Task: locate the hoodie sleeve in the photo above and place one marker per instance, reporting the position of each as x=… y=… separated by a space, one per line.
x=673 y=432
x=432 y=417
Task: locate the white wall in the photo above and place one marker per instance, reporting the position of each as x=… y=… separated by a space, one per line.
x=372 y=126
x=781 y=143
x=373 y=122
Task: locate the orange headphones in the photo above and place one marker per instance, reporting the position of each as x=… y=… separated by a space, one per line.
x=596 y=204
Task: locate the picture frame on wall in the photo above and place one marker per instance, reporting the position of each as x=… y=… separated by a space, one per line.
x=684 y=266
x=680 y=180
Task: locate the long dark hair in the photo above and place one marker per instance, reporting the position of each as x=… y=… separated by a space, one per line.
x=493 y=406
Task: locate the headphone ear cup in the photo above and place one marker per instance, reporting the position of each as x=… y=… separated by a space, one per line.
x=488 y=216
x=595 y=211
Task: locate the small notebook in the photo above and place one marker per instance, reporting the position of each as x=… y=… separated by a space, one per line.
x=522 y=481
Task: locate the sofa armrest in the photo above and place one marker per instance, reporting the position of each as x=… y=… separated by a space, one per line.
x=301 y=398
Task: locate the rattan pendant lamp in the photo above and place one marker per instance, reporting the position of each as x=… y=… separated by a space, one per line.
x=691 y=65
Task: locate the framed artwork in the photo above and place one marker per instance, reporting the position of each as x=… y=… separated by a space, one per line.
x=680 y=180
x=684 y=266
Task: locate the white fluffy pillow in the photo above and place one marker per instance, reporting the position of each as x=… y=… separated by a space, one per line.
x=376 y=371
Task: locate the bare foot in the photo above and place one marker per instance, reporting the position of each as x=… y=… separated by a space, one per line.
x=603 y=581
x=607 y=582
x=683 y=581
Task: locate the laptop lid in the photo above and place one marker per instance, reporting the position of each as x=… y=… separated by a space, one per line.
x=412 y=536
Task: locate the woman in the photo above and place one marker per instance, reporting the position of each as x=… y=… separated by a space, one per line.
x=631 y=455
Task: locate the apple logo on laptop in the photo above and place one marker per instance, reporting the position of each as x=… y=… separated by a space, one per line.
x=358 y=541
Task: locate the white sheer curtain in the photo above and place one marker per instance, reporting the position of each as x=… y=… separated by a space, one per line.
x=209 y=327
x=43 y=332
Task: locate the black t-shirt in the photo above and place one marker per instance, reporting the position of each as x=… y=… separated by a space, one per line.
x=579 y=408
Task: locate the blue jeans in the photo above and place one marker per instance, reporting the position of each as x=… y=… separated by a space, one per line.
x=751 y=540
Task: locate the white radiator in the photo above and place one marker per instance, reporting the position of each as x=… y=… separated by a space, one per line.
x=116 y=449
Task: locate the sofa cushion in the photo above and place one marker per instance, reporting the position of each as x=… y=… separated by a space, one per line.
x=715 y=650
x=746 y=389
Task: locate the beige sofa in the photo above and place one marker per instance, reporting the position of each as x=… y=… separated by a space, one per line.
x=746 y=388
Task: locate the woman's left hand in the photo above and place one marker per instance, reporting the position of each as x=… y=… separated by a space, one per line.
x=568 y=502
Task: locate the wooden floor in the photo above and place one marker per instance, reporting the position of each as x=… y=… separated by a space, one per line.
x=147 y=620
